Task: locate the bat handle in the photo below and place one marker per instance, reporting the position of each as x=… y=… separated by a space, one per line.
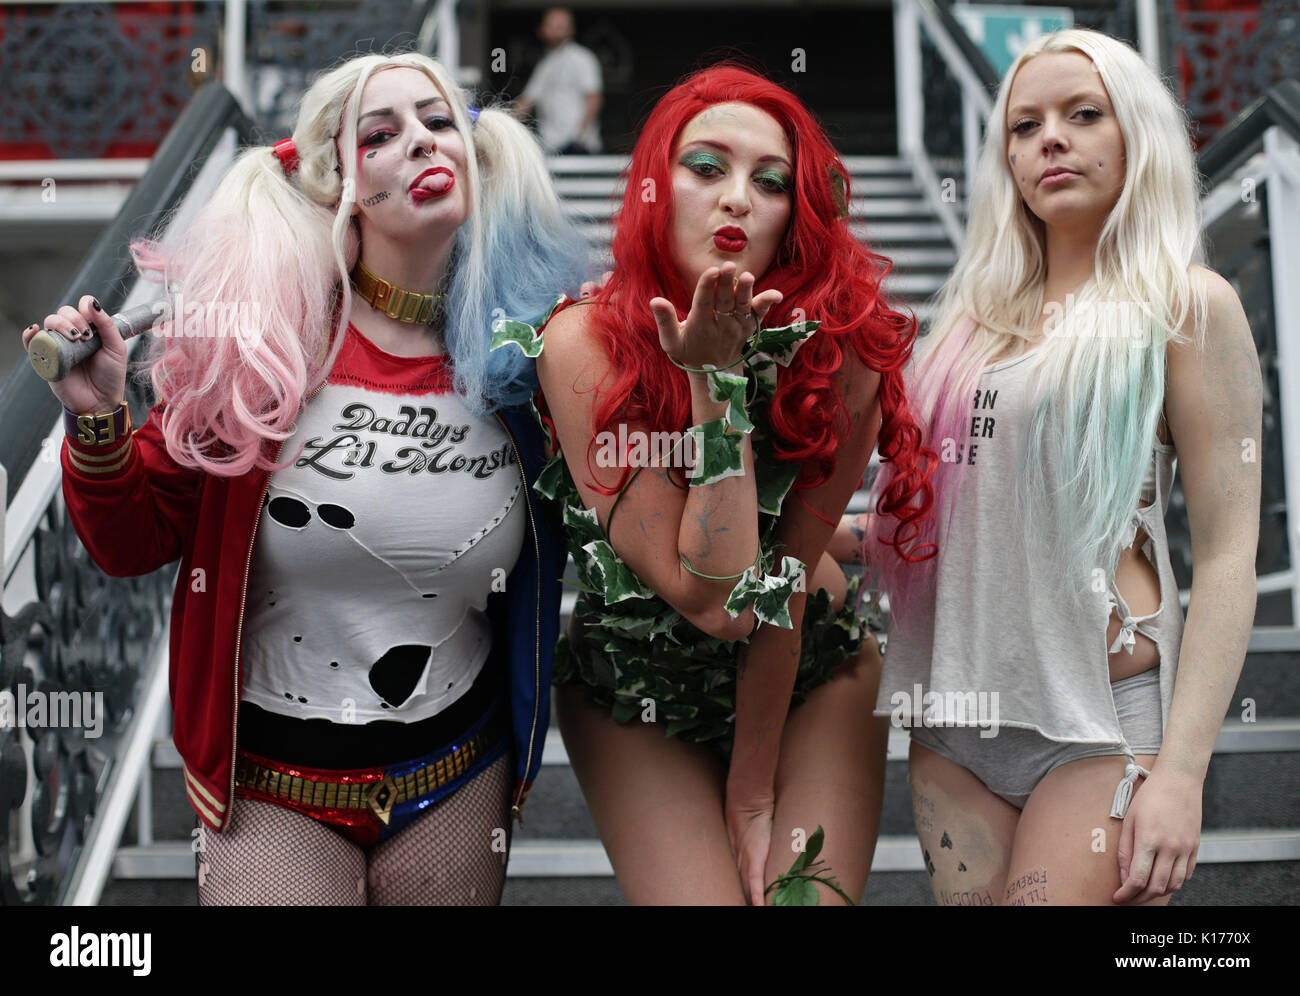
x=53 y=356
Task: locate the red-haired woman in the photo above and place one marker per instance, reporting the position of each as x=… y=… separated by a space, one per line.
x=714 y=710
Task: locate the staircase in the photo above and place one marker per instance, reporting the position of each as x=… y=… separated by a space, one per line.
x=1250 y=846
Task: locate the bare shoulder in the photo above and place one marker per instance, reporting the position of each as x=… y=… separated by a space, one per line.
x=568 y=329
x=568 y=339
x=1224 y=314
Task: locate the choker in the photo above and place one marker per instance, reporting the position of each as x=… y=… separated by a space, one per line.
x=396 y=302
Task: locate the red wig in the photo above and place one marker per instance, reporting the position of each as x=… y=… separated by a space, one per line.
x=820 y=269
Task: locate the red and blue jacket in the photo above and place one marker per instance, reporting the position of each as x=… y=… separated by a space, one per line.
x=137 y=510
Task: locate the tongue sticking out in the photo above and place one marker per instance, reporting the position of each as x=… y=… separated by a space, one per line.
x=436 y=183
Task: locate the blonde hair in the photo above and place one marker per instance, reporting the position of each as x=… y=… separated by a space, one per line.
x=1096 y=398
x=283 y=242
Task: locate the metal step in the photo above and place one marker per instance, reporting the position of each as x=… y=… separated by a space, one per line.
x=587 y=858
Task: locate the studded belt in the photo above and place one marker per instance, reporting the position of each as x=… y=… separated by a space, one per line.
x=357 y=796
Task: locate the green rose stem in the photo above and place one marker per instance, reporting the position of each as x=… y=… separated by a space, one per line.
x=795 y=887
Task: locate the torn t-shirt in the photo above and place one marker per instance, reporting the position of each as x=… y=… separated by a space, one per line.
x=377 y=548
x=1005 y=637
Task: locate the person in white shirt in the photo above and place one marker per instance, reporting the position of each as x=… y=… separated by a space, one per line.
x=564 y=90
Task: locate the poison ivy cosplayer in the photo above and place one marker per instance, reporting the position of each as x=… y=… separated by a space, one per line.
x=716 y=680
x=368 y=596
x=1078 y=351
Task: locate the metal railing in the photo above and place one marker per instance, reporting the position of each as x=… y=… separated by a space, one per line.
x=70 y=635
x=1252 y=218
x=940 y=76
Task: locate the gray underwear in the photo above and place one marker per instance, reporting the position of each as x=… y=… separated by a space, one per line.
x=1013 y=762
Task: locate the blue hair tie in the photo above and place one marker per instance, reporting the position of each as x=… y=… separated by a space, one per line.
x=473 y=113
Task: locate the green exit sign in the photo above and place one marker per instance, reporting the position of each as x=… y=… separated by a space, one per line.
x=1002 y=32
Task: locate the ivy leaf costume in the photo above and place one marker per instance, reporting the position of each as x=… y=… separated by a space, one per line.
x=634 y=653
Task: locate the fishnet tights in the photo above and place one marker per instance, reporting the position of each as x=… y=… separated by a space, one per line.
x=452 y=855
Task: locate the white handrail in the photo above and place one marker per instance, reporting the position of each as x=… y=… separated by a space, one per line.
x=1283 y=165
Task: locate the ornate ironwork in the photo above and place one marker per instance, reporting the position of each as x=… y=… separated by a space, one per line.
x=290 y=43
x=1230 y=58
x=84 y=79
x=81 y=78
x=941 y=131
x=85 y=635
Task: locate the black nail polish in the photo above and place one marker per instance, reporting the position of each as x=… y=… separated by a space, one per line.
x=95 y=302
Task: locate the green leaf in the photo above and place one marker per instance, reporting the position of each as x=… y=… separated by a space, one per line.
x=522 y=334
x=550 y=482
x=814 y=844
x=550 y=312
x=775 y=479
x=769 y=595
x=796 y=892
x=782 y=343
x=800 y=860
x=614 y=576
x=582 y=524
x=731 y=388
x=719 y=453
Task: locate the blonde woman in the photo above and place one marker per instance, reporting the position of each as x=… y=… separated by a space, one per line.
x=1065 y=717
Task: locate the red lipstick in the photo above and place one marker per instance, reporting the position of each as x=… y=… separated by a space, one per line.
x=729 y=238
x=435 y=182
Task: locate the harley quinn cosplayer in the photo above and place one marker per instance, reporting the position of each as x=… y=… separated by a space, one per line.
x=1079 y=350
x=368 y=593
x=717 y=681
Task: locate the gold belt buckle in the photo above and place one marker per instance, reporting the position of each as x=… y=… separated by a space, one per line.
x=381 y=798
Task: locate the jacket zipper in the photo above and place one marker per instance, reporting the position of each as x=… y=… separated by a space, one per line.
x=516 y=809
x=239 y=632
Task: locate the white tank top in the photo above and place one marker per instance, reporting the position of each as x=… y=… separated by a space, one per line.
x=1003 y=617
x=377 y=549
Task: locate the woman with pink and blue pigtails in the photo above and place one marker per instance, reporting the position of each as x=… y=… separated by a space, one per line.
x=367 y=600
x=1079 y=350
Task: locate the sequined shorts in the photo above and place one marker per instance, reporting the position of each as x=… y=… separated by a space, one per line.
x=368 y=805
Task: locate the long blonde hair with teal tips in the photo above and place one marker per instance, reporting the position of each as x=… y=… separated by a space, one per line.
x=1096 y=396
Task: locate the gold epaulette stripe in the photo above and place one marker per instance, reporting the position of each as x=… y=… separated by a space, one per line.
x=77 y=461
x=203 y=810
x=192 y=783
x=99 y=456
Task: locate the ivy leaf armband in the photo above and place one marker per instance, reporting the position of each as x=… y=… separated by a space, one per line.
x=731 y=388
x=719 y=452
x=770 y=595
x=782 y=343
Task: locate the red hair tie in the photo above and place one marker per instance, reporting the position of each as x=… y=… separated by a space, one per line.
x=287 y=153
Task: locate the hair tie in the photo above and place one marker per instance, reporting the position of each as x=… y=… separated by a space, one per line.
x=473 y=114
x=287 y=153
